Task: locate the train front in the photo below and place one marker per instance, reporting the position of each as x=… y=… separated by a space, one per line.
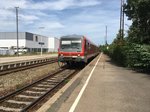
x=71 y=49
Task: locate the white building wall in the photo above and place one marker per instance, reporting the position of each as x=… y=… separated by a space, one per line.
x=50 y=44
x=28 y=40
x=12 y=42
x=53 y=44
x=32 y=44
x=45 y=41
x=35 y=43
x=57 y=43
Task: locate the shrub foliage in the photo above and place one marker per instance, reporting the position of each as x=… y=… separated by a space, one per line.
x=131 y=55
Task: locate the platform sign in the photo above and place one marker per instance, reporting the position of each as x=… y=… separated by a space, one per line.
x=65 y=42
x=41 y=43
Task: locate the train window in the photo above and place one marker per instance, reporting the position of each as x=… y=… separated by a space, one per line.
x=76 y=41
x=87 y=45
x=71 y=44
x=76 y=44
x=65 y=44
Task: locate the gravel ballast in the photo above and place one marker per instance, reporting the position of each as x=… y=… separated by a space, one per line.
x=16 y=80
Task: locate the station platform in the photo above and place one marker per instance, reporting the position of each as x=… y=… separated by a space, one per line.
x=103 y=87
x=4 y=60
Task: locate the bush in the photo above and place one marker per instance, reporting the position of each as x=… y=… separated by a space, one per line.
x=130 y=55
x=138 y=57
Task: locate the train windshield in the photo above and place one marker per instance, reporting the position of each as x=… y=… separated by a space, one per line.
x=71 y=45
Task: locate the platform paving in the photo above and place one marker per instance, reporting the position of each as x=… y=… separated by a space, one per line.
x=110 y=89
x=4 y=60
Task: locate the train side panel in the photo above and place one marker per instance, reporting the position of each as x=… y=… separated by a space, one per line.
x=90 y=50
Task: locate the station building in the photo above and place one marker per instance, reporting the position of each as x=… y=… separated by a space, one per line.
x=29 y=41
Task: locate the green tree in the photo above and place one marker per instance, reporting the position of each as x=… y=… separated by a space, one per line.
x=139 y=12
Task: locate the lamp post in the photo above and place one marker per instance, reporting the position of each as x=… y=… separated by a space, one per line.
x=41 y=43
x=122 y=20
x=106 y=36
x=17 y=29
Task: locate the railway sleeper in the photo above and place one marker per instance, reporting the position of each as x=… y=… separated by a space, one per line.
x=2 y=108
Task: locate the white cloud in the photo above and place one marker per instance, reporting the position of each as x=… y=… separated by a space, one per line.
x=9 y=4
x=48 y=26
x=30 y=11
x=47 y=5
x=84 y=18
x=9 y=26
x=84 y=3
x=4 y=12
x=60 y=4
x=28 y=17
x=51 y=25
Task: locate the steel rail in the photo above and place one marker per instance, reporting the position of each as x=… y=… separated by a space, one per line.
x=56 y=79
x=47 y=93
x=29 y=85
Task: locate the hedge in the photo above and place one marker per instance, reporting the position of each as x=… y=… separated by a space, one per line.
x=134 y=56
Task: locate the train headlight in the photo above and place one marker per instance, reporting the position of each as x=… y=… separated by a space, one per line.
x=78 y=54
x=61 y=55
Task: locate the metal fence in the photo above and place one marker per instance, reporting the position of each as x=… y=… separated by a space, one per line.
x=6 y=52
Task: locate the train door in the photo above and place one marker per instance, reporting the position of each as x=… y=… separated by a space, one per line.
x=86 y=48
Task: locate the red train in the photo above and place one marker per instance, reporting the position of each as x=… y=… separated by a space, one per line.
x=76 y=48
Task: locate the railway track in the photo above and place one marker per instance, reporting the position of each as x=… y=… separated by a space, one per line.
x=15 y=67
x=27 y=97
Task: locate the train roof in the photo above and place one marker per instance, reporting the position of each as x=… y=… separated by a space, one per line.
x=77 y=36
x=72 y=36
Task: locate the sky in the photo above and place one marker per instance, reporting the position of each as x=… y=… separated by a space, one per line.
x=56 y=18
